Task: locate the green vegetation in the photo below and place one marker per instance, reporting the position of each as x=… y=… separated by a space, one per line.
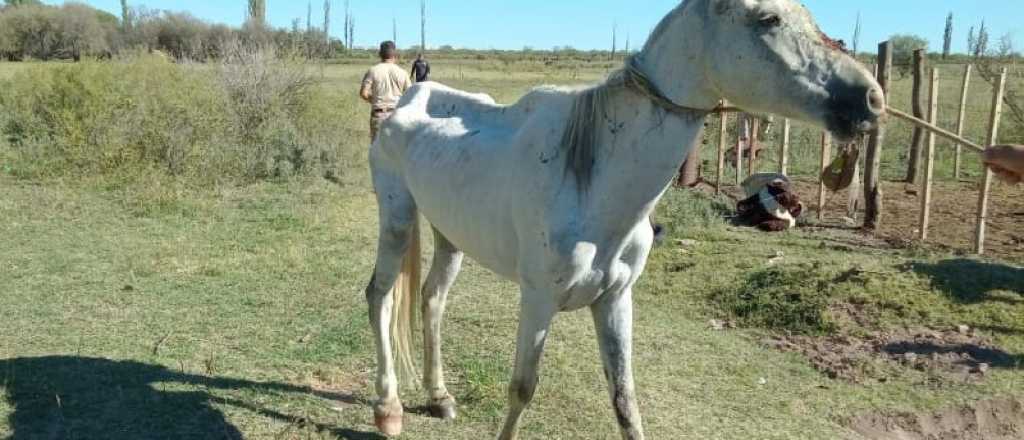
x=31 y=30
x=172 y=271
x=795 y=298
x=253 y=116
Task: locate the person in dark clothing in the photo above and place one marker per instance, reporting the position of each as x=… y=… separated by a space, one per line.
x=420 y=69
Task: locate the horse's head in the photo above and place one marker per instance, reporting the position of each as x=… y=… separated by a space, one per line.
x=769 y=56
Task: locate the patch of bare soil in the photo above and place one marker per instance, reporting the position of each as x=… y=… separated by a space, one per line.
x=954 y=207
x=1001 y=419
x=958 y=355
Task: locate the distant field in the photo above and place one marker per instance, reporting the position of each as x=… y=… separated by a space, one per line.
x=507 y=81
x=149 y=306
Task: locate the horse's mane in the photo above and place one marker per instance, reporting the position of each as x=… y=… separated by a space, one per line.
x=582 y=130
x=581 y=136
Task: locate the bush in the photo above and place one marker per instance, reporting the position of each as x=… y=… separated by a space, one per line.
x=255 y=116
x=45 y=32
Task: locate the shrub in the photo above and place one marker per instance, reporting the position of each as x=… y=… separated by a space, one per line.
x=254 y=116
x=44 y=32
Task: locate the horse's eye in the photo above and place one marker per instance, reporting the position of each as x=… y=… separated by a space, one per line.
x=771 y=20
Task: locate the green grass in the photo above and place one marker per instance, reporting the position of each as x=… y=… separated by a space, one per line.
x=155 y=308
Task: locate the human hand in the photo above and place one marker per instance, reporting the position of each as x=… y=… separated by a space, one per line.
x=1006 y=161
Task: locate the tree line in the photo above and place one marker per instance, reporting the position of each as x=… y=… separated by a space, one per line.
x=30 y=29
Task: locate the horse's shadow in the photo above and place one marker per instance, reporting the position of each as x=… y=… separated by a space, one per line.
x=971 y=281
x=78 y=397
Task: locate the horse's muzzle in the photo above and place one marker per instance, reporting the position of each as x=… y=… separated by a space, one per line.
x=853 y=109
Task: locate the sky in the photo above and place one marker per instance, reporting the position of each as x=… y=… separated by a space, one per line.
x=587 y=24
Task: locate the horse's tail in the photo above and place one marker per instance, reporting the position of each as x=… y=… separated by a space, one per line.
x=407 y=299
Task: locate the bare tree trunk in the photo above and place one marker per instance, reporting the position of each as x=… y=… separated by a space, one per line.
x=327 y=20
x=913 y=162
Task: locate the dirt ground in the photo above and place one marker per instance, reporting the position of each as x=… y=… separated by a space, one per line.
x=949 y=355
x=954 y=208
x=1000 y=419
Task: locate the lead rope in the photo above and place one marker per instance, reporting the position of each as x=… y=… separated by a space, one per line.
x=635 y=79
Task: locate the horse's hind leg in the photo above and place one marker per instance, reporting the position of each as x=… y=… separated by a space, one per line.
x=397 y=217
x=443 y=271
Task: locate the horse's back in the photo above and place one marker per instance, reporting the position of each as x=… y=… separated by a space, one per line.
x=461 y=155
x=432 y=117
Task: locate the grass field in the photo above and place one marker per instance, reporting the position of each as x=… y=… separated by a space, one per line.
x=158 y=309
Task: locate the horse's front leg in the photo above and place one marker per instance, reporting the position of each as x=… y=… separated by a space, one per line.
x=613 y=320
x=536 y=313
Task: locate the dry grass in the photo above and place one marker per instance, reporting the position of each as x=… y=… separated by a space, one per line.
x=157 y=309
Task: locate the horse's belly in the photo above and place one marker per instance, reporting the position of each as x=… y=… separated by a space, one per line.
x=479 y=228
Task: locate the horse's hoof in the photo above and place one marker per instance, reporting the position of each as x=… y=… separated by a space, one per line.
x=443 y=408
x=388 y=419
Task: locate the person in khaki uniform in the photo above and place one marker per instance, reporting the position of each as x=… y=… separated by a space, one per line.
x=383 y=85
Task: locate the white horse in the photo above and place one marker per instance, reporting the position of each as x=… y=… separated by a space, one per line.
x=554 y=192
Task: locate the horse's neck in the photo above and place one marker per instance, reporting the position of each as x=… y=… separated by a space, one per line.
x=639 y=155
x=641 y=158
x=674 y=57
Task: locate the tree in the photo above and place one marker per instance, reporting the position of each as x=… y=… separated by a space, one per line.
x=257 y=13
x=981 y=47
x=903 y=46
x=29 y=31
x=615 y=38
x=71 y=31
x=309 y=17
x=81 y=32
x=856 y=35
x=348 y=19
x=327 y=18
x=423 y=25
x=972 y=41
x=947 y=38
x=1005 y=49
x=23 y=3
x=126 y=17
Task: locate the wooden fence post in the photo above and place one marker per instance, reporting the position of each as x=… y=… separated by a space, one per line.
x=854 y=193
x=784 y=151
x=723 y=130
x=826 y=159
x=753 y=142
x=929 y=158
x=739 y=148
x=960 y=121
x=986 y=184
x=917 y=104
x=873 y=159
